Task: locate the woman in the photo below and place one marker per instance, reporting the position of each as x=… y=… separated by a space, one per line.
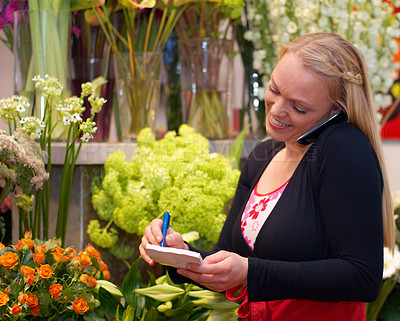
x=307 y=227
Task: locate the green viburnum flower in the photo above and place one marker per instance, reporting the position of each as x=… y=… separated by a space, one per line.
x=176 y=174
x=102 y=236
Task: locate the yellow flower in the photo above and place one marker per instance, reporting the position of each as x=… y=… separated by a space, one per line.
x=141 y=5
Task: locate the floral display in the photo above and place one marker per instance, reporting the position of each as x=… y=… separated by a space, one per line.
x=386 y=306
x=369 y=25
x=209 y=19
x=137 y=33
x=22 y=159
x=7 y=11
x=206 y=33
x=161 y=299
x=43 y=281
x=176 y=173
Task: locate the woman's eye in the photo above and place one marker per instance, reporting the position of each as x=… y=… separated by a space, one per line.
x=273 y=90
x=300 y=111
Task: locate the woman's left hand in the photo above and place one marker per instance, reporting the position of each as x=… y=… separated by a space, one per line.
x=219 y=272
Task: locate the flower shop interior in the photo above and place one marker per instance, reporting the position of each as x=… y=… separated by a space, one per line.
x=113 y=111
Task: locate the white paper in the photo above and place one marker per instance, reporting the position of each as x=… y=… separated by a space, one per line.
x=173 y=257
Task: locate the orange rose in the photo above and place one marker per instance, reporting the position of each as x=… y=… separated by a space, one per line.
x=32 y=300
x=2 y=246
x=84 y=278
x=22 y=298
x=84 y=259
x=55 y=289
x=71 y=251
x=57 y=256
x=3 y=298
x=103 y=266
x=10 y=260
x=106 y=274
x=80 y=306
x=58 y=249
x=40 y=248
x=26 y=241
x=35 y=310
x=16 y=309
x=38 y=258
x=26 y=271
x=30 y=279
x=91 y=282
x=91 y=251
x=45 y=271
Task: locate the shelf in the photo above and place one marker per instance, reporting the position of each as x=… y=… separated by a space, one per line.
x=96 y=153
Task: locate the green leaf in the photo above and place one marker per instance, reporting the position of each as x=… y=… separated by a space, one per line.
x=132 y=281
x=154 y=315
x=236 y=148
x=109 y=302
x=109 y=286
x=92 y=316
x=129 y=314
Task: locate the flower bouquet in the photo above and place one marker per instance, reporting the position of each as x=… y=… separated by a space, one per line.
x=205 y=49
x=137 y=33
x=43 y=281
x=161 y=299
x=22 y=158
x=370 y=25
x=176 y=173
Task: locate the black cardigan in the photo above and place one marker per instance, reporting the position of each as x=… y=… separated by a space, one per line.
x=324 y=238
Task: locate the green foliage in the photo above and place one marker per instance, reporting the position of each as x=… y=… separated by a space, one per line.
x=176 y=174
x=161 y=299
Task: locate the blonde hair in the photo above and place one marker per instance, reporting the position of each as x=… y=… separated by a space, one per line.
x=342 y=66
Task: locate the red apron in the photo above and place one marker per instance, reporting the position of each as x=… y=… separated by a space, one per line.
x=296 y=309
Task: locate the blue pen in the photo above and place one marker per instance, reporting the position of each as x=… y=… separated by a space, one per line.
x=165 y=226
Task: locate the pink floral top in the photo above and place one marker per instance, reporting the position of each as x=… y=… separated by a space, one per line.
x=256 y=212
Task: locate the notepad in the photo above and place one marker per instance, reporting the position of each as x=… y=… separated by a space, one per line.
x=173 y=257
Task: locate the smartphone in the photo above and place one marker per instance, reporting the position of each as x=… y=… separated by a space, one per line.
x=312 y=135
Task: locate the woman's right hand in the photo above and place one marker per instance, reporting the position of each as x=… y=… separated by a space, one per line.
x=153 y=235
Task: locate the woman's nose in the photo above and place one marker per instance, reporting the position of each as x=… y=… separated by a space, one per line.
x=278 y=107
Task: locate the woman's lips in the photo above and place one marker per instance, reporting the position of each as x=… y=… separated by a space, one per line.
x=277 y=123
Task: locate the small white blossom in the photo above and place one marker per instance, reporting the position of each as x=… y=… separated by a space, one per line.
x=391 y=262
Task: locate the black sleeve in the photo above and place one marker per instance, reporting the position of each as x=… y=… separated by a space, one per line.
x=348 y=189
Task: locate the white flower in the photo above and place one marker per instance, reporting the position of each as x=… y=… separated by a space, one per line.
x=75 y=117
x=391 y=262
x=369 y=25
x=66 y=120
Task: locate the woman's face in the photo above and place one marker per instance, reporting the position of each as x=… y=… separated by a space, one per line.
x=296 y=100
